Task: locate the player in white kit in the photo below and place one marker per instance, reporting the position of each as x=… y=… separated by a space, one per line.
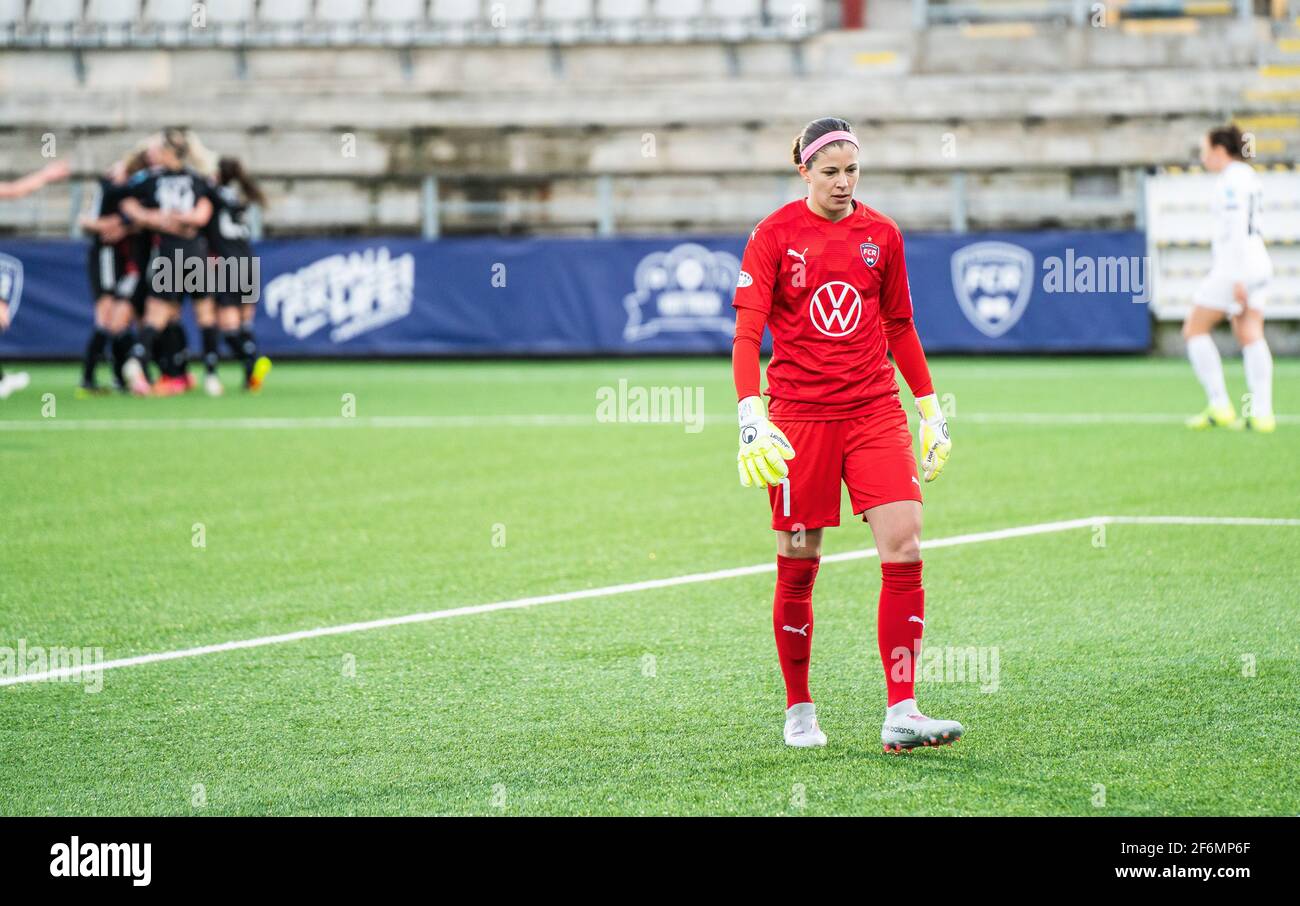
x=1235 y=287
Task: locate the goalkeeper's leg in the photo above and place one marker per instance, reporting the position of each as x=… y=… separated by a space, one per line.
x=798 y=557
x=899 y=626
x=803 y=503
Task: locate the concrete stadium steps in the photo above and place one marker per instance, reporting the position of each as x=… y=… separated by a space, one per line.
x=1277 y=135
x=27 y=99
x=643 y=204
x=724 y=204
x=1049 y=125
x=650 y=148
x=956 y=49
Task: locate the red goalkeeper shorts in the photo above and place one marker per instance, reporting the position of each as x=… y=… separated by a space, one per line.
x=872 y=454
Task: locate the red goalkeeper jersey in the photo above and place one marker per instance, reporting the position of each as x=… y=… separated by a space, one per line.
x=824 y=287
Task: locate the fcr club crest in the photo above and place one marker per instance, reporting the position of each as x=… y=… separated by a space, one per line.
x=993 y=282
x=11 y=283
x=870 y=253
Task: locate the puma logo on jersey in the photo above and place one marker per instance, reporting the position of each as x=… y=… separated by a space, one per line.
x=916 y=619
x=793 y=254
x=803 y=632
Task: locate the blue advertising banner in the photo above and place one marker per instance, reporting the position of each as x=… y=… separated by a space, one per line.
x=1004 y=292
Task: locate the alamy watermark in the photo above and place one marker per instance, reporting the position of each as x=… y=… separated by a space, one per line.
x=948 y=664
x=69 y=665
x=200 y=277
x=1094 y=274
x=634 y=403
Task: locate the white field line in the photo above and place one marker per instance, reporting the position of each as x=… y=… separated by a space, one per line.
x=571 y=420
x=1020 y=531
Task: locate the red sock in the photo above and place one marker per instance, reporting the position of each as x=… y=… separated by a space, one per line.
x=901 y=599
x=792 y=620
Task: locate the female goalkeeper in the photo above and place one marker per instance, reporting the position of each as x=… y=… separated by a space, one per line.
x=825 y=274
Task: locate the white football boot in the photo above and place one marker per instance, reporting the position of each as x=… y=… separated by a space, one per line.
x=12 y=383
x=136 y=380
x=801 y=730
x=212 y=385
x=906 y=728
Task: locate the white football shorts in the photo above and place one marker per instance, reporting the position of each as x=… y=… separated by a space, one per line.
x=1215 y=291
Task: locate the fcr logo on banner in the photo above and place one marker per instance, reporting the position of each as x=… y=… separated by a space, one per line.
x=828 y=310
x=687 y=289
x=993 y=282
x=11 y=283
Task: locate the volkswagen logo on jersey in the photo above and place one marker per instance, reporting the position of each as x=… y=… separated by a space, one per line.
x=11 y=283
x=835 y=309
x=870 y=253
x=688 y=288
x=992 y=282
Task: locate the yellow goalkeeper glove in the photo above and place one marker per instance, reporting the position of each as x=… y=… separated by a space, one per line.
x=935 y=444
x=763 y=448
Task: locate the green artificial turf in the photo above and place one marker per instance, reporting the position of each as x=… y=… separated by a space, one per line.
x=1123 y=657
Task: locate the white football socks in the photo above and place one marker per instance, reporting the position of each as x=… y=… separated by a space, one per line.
x=902 y=709
x=1204 y=356
x=1259 y=376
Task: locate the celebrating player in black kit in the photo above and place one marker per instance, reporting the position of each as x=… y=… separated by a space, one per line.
x=114 y=274
x=230 y=310
x=175 y=203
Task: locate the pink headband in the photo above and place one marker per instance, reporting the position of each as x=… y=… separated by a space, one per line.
x=807 y=153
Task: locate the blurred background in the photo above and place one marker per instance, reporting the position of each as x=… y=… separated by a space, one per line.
x=611 y=131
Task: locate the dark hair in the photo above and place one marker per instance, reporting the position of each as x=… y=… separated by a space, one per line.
x=1229 y=138
x=135 y=162
x=230 y=170
x=815 y=130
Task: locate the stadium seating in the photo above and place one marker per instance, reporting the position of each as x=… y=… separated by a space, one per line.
x=62 y=13
x=281 y=12
x=1179 y=227
x=963 y=128
x=112 y=12
x=341 y=11
x=454 y=11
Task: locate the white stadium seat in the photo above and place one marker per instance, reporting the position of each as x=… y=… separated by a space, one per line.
x=170 y=12
x=679 y=9
x=233 y=12
x=567 y=10
x=112 y=12
x=55 y=12
x=736 y=9
x=622 y=10
x=784 y=10
x=283 y=12
x=340 y=11
x=517 y=11
x=11 y=12
x=405 y=10
x=456 y=12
